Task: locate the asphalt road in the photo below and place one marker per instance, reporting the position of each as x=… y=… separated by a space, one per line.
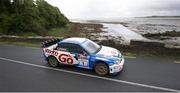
x=23 y=69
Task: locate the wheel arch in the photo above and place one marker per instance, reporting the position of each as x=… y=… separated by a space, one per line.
x=100 y=61
x=51 y=56
x=54 y=63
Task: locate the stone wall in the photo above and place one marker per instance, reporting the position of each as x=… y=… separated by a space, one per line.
x=135 y=45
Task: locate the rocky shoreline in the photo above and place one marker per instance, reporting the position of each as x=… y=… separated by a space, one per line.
x=161 y=36
x=97 y=32
x=93 y=31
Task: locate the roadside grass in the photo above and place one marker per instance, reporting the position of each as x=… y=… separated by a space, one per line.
x=178 y=60
x=129 y=54
x=69 y=31
x=29 y=34
x=17 y=43
x=56 y=31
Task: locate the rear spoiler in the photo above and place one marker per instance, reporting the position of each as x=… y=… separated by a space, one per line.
x=50 y=42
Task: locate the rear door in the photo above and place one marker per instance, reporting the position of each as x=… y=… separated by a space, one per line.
x=78 y=53
x=65 y=55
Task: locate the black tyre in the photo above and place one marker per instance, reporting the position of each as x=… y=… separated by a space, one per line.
x=101 y=69
x=52 y=61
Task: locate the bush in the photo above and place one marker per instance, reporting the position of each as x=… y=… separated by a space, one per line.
x=29 y=16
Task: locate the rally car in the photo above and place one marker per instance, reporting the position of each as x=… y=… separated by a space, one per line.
x=83 y=53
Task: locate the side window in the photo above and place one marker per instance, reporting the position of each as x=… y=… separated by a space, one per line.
x=75 y=49
x=72 y=48
x=63 y=47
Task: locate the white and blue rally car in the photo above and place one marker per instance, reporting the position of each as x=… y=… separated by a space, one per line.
x=83 y=53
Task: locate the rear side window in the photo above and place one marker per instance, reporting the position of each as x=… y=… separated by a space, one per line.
x=63 y=47
x=76 y=49
x=72 y=48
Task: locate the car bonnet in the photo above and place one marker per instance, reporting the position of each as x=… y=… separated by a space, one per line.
x=108 y=51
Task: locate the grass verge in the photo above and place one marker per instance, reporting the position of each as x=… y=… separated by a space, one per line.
x=28 y=44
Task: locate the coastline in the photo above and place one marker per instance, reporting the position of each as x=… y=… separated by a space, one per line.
x=95 y=32
x=156 y=29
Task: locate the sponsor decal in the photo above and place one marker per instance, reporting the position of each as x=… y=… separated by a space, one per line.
x=52 y=52
x=65 y=58
x=113 y=52
x=80 y=56
x=82 y=60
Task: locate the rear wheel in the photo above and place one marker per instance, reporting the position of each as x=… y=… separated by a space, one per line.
x=101 y=69
x=52 y=61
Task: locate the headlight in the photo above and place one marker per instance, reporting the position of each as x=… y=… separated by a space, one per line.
x=117 y=62
x=119 y=55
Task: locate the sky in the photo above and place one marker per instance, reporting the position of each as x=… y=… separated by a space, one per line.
x=99 y=9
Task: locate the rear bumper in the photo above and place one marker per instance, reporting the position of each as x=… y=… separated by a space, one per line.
x=116 y=67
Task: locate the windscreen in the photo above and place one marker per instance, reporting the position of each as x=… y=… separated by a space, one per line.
x=90 y=46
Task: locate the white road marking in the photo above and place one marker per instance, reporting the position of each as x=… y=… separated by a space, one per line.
x=129 y=57
x=83 y=74
x=177 y=62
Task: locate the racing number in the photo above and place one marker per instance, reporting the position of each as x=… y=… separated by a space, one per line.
x=66 y=58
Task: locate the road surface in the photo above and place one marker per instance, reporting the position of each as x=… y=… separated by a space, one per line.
x=22 y=69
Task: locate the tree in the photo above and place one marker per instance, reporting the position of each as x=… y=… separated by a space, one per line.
x=51 y=15
x=23 y=16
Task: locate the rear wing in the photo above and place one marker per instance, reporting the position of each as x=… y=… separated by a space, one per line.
x=50 y=42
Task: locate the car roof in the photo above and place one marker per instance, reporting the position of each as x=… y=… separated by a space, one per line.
x=74 y=40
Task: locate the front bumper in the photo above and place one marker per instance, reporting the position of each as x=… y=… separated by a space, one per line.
x=115 y=68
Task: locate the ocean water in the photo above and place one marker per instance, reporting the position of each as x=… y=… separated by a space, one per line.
x=142 y=26
x=134 y=28
x=149 y=25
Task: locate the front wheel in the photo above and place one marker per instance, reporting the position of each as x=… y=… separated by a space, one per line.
x=52 y=61
x=101 y=69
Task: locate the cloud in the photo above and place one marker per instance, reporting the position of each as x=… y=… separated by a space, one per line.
x=158 y=7
x=93 y=9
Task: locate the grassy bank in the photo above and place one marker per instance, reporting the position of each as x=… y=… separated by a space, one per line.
x=72 y=29
x=76 y=30
x=20 y=43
